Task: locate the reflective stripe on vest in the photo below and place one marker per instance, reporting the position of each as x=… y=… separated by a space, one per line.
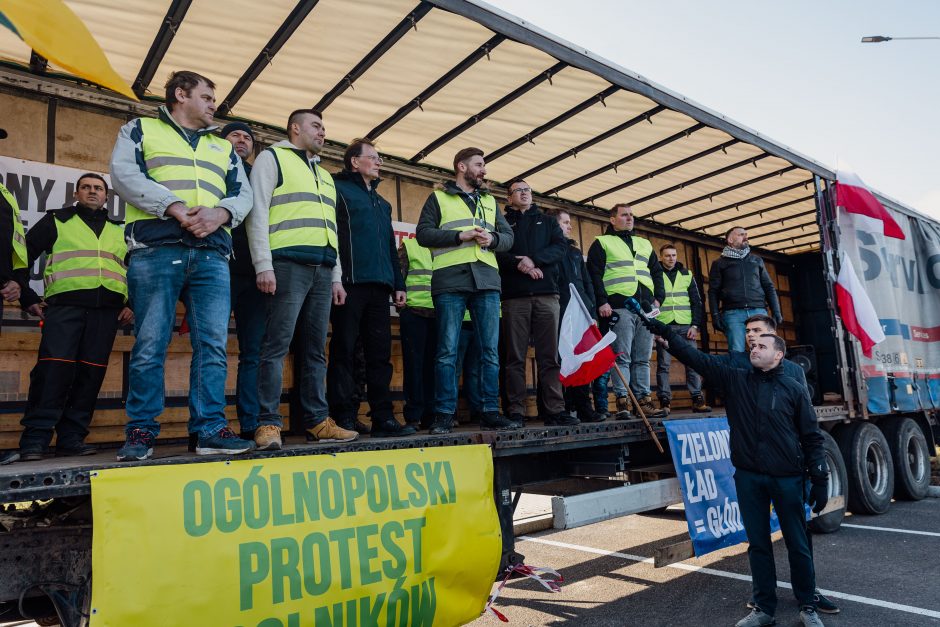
x=623 y=271
x=19 y=234
x=303 y=206
x=197 y=177
x=676 y=307
x=418 y=281
x=456 y=216
x=80 y=260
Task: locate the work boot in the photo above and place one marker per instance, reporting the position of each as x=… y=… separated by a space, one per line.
x=75 y=449
x=329 y=431
x=563 y=419
x=390 y=428
x=756 y=619
x=809 y=617
x=138 y=447
x=225 y=442
x=31 y=451
x=823 y=604
x=494 y=421
x=268 y=438
x=646 y=404
x=624 y=408
x=442 y=425
x=699 y=406
x=8 y=457
x=665 y=406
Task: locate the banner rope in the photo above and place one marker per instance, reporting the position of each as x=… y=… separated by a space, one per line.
x=537 y=573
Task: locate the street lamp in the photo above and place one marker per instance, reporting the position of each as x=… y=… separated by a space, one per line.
x=877 y=39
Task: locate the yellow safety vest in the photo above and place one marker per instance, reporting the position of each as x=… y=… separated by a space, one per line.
x=19 y=235
x=197 y=177
x=622 y=270
x=676 y=307
x=81 y=260
x=303 y=206
x=418 y=281
x=456 y=216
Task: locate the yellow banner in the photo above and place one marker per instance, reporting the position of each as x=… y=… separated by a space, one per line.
x=385 y=538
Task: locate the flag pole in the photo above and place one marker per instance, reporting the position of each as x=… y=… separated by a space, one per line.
x=636 y=404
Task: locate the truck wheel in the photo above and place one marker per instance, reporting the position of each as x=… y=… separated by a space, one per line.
x=911 y=458
x=838 y=486
x=870 y=468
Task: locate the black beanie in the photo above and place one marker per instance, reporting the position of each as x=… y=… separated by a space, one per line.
x=236 y=126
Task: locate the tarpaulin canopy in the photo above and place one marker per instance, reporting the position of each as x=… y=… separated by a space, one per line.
x=426 y=78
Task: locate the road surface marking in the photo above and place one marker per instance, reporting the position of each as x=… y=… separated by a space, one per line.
x=893 y=530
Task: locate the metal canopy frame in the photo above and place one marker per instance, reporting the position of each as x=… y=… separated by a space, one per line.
x=758 y=212
x=787 y=228
x=161 y=43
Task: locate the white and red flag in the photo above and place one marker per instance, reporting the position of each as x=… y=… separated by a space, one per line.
x=855 y=307
x=854 y=197
x=585 y=355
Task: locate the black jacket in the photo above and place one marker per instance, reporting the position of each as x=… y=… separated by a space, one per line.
x=695 y=299
x=538 y=237
x=773 y=426
x=240 y=263
x=741 y=284
x=40 y=239
x=367 y=248
x=597 y=261
x=572 y=269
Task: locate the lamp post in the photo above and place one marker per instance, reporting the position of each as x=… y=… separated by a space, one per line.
x=877 y=39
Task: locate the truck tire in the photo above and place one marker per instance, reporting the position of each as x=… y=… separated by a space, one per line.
x=870 y=468
x=838 y=486
x=911 y=458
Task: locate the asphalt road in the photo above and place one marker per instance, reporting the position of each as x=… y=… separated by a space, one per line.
x=887 y=577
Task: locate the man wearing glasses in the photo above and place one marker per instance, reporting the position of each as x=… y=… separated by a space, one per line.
x=370 y=272
x=531 y=306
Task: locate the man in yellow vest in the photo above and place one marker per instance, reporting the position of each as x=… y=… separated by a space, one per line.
x=623 y=264
x=184 y=190
x=12 y=244
x=294 y=248
x=463 y=228
x=85 y=295
x=418 y=330
x=682 y=310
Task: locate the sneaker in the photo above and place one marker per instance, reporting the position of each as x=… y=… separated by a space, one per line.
x=224 y=442
x=646 y=404
x=494 y=421
x=78 y=449
x=138 y=447
x=665 y=406
x=8 y=457
x=699 y=406
x=268 y=438
x=587 y=414
x=564 y=419
x=624 y=408
x=193 y=441
x=809 y=617
x=442 y=424
x=756 y=619
x=329 y=431
x=824 y=605
x=391 y=428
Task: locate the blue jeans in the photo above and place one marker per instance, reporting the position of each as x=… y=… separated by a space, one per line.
x=634 y=344
x=484 y=311
x=301 y=300
x=733 y=319
x=248 y=307
x=468 y=364
x=158 y=277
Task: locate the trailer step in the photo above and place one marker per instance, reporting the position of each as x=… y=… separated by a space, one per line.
x=583 y=509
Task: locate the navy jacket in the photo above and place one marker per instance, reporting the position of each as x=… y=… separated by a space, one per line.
x=572 y=269
x=538 y=237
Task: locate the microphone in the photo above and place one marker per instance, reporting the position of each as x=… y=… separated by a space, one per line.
x=641 y=308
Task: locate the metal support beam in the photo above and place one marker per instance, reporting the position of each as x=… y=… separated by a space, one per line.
x=725 y=190
x=436 y=86
x=539 y=130
x=409 y=22
x=490 y=110
x=573 y=152
x=786 y=228
x=161 y=43
x=792 y=238
x=741 y=216
x=795 y=246
x=636 y=155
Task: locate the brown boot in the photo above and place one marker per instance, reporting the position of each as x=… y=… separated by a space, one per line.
x=328 y=431
x=646 y=404
x=624 y=408
x=699 y=406
x=268 y=438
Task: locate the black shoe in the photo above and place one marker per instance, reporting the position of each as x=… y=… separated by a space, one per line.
x=193 y=441
x=390 y=428
x=519 y=419
x=699 y=406
x=78 y=449
x=442 y=425
x=563 y=419
x=586 y=414
x=494 y=421
x=362 y=428
x=824 y=605
x=665 y=407
x=8 y=457
x=31 y=452
x=476 y=417
x=248 y=435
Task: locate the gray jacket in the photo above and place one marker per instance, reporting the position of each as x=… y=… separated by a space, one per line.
x=467 y=277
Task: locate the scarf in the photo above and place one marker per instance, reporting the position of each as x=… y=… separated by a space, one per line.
x=734 y=253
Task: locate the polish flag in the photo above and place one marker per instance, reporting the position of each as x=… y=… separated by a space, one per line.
x=855 y=197
x=855 y=307
x=585 y=355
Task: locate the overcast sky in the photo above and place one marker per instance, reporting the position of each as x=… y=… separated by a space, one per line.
x=794 y=71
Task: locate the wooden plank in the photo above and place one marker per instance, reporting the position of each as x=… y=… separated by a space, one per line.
x=678 y=552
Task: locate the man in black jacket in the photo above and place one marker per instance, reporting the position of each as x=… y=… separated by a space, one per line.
x=370 y=272
x=775 y=440
x=738 y=288
x=529 y=271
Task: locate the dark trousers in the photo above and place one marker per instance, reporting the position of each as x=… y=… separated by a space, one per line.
x=366 y=314
x=248 y=305
x=418 y=347
x=535 y=317
x=755 y=493
x=63 y=386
